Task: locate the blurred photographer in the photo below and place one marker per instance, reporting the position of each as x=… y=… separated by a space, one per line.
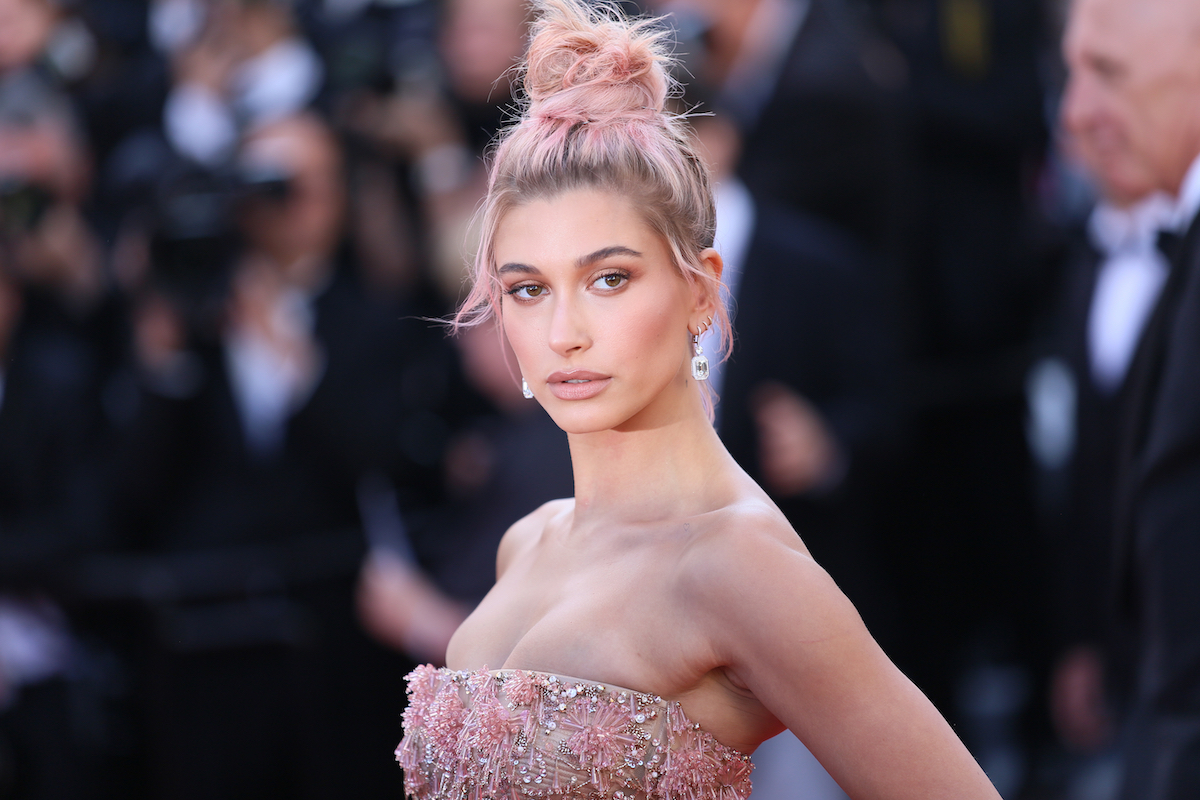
x=446 y=104
x=271 y=387
x=43 y=163
x=58 y=338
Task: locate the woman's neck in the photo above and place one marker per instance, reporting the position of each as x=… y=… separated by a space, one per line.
x=673 y=469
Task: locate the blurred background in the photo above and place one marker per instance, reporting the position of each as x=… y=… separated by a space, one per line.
x=245 y=485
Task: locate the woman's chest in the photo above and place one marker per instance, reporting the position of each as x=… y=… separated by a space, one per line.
x=610 y=618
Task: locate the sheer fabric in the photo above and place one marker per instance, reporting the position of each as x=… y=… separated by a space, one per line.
x=522 y=734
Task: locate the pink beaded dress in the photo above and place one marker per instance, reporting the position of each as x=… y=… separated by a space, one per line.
x=517 y=735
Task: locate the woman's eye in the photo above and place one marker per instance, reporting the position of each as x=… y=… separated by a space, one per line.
x=610 y=281
x=527 y=291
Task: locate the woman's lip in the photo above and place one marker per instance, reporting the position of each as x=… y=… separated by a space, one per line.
x=589 y=385
x=575 y=375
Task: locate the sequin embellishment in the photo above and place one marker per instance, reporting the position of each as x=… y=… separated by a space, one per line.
x=517 y=734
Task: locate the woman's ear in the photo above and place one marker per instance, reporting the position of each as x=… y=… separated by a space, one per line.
x=708 y=292
x=710 y=262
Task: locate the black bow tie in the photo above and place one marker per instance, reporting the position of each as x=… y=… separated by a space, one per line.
x=1169 y=243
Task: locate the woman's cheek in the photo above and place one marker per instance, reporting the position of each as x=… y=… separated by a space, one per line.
x=523 y=335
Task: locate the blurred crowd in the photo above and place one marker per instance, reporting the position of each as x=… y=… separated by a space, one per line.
x=247 y=480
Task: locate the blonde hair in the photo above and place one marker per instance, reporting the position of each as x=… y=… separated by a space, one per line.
x=593 y=115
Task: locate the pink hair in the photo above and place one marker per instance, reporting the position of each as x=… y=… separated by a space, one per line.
x=594 y=116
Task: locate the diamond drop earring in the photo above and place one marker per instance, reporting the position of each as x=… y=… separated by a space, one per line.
x=699 y=360
x=525 y=390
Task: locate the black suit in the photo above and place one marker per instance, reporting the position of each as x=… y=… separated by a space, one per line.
x=1079 y=499
x=827 y=142
x=1077 y=495
x=255 y=664
x=1158 y=541
x=50 y=432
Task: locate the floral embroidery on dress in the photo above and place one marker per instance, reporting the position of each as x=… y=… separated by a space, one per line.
x=518 y=734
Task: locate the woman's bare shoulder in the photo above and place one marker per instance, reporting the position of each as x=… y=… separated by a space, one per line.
x=779 y=626
x=751 y=527
x=750 y=554
x=524 y=534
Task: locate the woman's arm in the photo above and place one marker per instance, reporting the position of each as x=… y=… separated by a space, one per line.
x=792 y=638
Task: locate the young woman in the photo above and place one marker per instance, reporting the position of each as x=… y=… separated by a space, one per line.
x=648 y=634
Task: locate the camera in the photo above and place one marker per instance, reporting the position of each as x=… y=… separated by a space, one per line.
x=263 y=181
x=194 y=245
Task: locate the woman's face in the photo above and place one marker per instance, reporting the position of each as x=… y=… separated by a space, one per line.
x=596 y=312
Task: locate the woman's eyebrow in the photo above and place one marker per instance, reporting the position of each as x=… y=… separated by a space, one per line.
x=523 y=269
x=580 y=263
x=606 y=252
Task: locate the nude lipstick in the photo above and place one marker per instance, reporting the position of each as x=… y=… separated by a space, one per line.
x=577 y=384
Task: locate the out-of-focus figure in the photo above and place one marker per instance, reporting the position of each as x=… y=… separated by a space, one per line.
x=56 y=341
x=239 y=66
x=974 y=278
x=274 y=388
x=813 y=92
x=1133 y=104
x=1078 y=391
x=437 y=128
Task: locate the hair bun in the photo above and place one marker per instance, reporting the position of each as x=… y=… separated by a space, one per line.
x=587 y=64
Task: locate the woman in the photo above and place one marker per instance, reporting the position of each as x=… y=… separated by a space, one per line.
x=670 y=574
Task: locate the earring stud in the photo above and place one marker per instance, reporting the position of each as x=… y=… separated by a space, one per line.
x=525 y=390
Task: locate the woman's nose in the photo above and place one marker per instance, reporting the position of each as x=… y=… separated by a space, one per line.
x=568 y=326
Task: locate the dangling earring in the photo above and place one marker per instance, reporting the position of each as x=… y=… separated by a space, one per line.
x=525 y=390
x=699 y=360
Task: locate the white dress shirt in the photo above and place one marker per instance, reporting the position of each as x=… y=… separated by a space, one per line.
x=1128 y=283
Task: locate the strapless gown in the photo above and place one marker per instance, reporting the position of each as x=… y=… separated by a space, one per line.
x=517 y=734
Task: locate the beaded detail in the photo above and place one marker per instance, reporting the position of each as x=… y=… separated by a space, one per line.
x=518 y=734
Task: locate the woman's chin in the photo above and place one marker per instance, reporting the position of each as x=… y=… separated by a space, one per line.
x=654 y=406
x=578 y=417
x=577 y=422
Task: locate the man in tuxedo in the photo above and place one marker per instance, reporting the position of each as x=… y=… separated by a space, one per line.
x=1133 y=104
x=1113 y=276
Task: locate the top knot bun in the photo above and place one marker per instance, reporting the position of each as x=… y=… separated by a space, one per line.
x=588 y=64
